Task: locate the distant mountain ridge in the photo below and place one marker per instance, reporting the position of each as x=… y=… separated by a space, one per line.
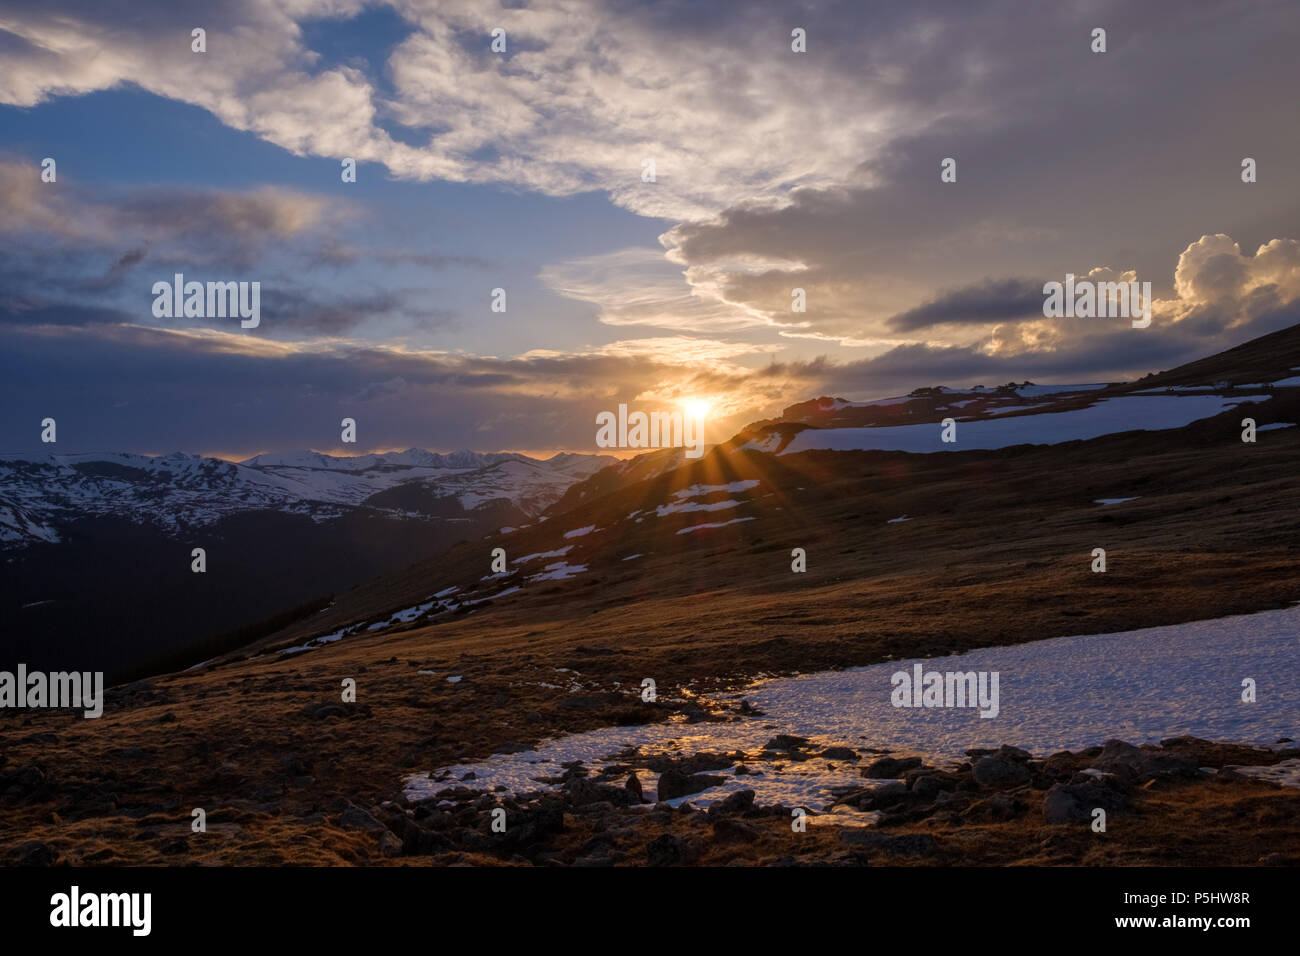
x=41 y=497
x=99 y=544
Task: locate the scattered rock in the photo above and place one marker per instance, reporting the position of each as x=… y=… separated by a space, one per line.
x=665 y=850
x=730 y=830
x=1074 y=802
x=997 y=808
x=903 y=844
x=890 y=767
x=737 y=802
x=839 y=753
x=354 y=818
x=1003 y=768
x=583 y=792
x=633 y=786
x=33 y=853
x=673 y=783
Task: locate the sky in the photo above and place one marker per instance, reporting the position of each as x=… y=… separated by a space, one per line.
x=525 y=170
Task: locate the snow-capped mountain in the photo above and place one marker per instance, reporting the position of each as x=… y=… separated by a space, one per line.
x=39 y=498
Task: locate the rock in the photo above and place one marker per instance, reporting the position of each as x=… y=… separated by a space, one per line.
x=890 y=767
x=294 y=765
x=1001 y=769
x=354 y=818
x=697 y=763
x=33 y=853
x=1120 y=758
x=729 y=830
x=904 y=844
x=1138 y=764
x=633 y=786
x=927 y=783
x=420 y=842
x=321 y=711
x=879 y=798
x=839 y=753
x=583 y=792
x=1074 y=802
x=997 y=808
x=786 y=742
x=673 y=783
x=665 y=850
x=737 y=802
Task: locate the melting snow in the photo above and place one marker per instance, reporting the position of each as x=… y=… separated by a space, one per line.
x=678 y=506
x=557 y=553
x=1066 y=693
x=694 y=491
x=712 y=524
x=558 y=572
x=768 y=443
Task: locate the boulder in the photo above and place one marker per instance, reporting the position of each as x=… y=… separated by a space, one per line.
x=673 y=783
x=665 y=850
x=1074 y=802
x=1003 y=768
x=737 y=802
x=887 y=768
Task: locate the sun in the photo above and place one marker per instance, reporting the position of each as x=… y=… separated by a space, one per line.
x=697 y=408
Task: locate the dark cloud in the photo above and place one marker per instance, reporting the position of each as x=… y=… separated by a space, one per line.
x=116 y=273
x=993 y=300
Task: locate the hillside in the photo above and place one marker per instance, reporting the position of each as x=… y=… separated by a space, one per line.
x=684 y=576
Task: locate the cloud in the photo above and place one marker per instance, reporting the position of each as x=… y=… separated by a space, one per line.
x=586 y=92
x=990 y=301
x=638 y=286
x=1214 y=268
x=61 y=256
x=155 y=389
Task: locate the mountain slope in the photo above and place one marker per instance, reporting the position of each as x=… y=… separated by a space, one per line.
x=97 y=548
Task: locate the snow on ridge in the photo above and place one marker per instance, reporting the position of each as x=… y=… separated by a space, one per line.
x=713 y=524
x=1107 y=416
x=676 y=507
x=695 y=491
x=559 y=571
x=178 y=490
x=557 y=553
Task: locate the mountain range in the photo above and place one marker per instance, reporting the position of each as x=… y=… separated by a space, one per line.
x=99 y=544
